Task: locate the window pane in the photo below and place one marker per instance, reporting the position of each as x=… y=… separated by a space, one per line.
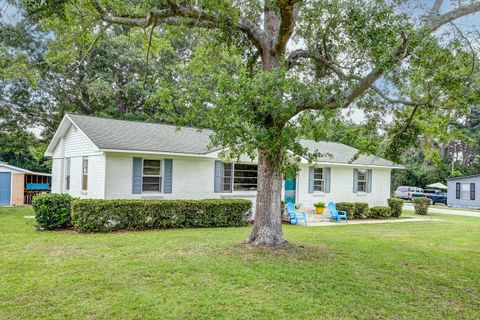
x=318 y=173
x=465 y=194
x=151 y=183
x=362 y=175
x=85 y=165
x=318 y=185
x=245 y=177
x=362 y=186
x=84 y=182
x=151 y=167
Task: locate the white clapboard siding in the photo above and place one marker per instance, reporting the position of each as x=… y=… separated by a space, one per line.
x=75 y=145
x=341 y=187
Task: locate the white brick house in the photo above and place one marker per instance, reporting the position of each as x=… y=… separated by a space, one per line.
x=115 y=159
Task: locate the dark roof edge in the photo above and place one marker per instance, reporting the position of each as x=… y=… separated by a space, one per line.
x=464 y=177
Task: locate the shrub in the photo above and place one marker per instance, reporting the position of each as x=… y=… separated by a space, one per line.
x=360 y=210
x=319 y=205
x=52 y=211
x=349 y=207
x=396 y=206
x=380 y=212
x=91 y=215
x=421 y=205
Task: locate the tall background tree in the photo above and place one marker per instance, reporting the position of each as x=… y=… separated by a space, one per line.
x=263 y=74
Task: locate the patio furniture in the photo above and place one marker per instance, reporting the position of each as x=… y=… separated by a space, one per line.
x=294 y=215
x=337 y=214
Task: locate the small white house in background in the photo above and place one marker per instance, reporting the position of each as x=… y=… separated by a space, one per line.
x=102 y=158
x=464 y=192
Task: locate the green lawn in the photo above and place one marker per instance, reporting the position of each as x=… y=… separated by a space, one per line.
x=411 y=270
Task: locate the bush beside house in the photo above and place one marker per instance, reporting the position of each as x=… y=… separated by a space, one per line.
x=396 y=206
x=380 y=212
x=421 y=205
x=89 y=215
x=52 y=211
x=360 y=210
x=349 y=207
x=355 y=210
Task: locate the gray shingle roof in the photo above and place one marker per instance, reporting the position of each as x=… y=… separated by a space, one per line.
x=335 y=152
x=154 y=137
x=143 y=136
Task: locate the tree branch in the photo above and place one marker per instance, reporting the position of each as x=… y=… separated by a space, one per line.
x=176 y=14
x=362 y=85
x=435 y=20
x=409 y=121
x=288 y=14
x=436 y=8
x=395 y=101
x=296 y=55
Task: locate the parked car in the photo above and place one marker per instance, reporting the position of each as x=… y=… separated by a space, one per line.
x=435 y=196
x=407 y=193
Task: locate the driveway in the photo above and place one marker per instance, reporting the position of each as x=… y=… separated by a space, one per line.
x=446 y=210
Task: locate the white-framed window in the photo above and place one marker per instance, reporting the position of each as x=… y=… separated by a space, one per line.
x=68 y=166
x=361 y=180
x=465 y=191
x=318 y=180
x=239 y=177
x=152 y=176
x=84 y=173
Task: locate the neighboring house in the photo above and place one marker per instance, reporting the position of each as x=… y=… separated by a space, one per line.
x=18 y=186
x=109 y=159
x=463 y=192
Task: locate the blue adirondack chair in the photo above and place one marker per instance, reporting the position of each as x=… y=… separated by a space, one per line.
x=337 y=214
x=294 y=215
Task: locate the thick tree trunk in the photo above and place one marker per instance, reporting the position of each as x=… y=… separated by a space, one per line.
x=267 y=227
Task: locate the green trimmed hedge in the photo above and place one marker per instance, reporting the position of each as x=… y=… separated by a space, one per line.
x=380 y=212
x=396 y=206
x=421 y=205
x=349 y=207
x=52 y=211
x=361 y=210
x=90 y=215
x=355 y=210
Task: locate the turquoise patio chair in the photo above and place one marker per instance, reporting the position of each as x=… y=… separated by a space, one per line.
x=294 y=215
x=337 y=214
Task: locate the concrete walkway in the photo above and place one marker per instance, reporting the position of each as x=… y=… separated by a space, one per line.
x=325 y=222
x=455 y=212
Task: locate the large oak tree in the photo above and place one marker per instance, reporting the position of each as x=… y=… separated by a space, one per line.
x=263 y=72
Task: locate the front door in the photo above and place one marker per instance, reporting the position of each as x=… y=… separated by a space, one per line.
x=290 y=186
x=5 y=185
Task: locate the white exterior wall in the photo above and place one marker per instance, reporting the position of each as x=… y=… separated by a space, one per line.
x=57 y=175
x=192 y=178
x=341 y=187
x=76 y=145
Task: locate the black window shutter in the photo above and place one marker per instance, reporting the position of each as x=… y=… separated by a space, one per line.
x=472 y=191
x=458 y=190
